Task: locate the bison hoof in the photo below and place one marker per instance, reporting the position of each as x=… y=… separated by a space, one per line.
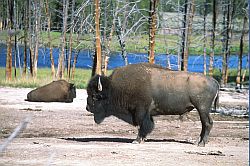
x=135 y=142
x=201 y=144
x=138 y=141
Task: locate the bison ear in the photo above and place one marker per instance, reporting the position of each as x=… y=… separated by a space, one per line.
x=99 y=84
x=72 y=86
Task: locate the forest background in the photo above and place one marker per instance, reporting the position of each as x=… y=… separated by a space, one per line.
x=183 y=27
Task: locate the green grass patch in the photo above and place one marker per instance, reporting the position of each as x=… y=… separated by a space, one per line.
x=232 y=74
x=81 y=79
x=44 y=77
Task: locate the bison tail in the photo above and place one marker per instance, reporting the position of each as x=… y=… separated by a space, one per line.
x=216 y=101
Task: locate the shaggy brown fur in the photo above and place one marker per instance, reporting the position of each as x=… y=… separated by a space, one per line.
x=56 y=91
x=137 y=92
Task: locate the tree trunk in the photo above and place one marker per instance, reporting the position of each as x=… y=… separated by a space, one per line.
x=238 y=78
x=98 y=51
x=188 y=21
x=26 y=25
x=184 y=35
x=74 y=64
x=71 y=39
x=180 y=37
x=37 y=36
x=122 y=30
x=230 y=16
x=48 y=15
x=152 y=30
x=15 y=44
x=60 y=68
x=75 y=58
x=189 y=33
x=120 y=35
x=226 y=38
x=211 y=57
x=106 y=58
x=205 y=38
x=183 y=40
x=8 y=69
x=224 y=43
x=31 y=39
x=245 y=71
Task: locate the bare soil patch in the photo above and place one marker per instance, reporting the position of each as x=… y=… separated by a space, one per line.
x=65 y=134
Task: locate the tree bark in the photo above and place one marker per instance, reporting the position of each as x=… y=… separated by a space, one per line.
x=60 y=68
x=120 y=35
x=26 y=25
x=211 y=55
x=184 y=33
x=188 y=21
x=8 y=69
x=15 y=38
x=71 y=39
x=106 y=58
x=205 y=38
x=152 y=30
x=227 y=19
x=239 y=71
x=31 y=39
x=37 y=36
x=48 y=15
x=98 y=51
x=75 y=58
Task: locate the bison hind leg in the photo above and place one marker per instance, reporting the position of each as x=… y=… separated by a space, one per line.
x=207 y=124
x=146 y=126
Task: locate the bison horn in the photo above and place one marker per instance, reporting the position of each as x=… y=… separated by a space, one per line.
x=99 y=84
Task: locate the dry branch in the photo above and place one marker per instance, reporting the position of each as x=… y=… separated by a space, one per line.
x=16 y=132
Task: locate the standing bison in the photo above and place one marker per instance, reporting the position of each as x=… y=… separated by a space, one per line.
x=138 y=92
x=56 y=91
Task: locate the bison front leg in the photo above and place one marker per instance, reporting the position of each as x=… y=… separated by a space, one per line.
x=146 y=125
x=139 y=139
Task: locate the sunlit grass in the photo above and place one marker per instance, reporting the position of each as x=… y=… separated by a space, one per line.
x=44 y=77
x=81 y=78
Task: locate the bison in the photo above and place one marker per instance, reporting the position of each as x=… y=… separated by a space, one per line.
x=138 y=92
x=56 y=91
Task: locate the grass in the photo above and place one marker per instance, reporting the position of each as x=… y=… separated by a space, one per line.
x=232 y=74
x=44 y=77
x=81 y=78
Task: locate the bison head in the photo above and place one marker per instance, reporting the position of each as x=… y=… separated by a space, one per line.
x=72 y=90
x=97 y=100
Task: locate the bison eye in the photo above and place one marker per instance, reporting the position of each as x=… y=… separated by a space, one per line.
x=97 y=97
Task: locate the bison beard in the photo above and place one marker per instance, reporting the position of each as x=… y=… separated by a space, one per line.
x=138 y=92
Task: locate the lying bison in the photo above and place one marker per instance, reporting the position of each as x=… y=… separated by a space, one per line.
x=138 y=92
x=56 y=91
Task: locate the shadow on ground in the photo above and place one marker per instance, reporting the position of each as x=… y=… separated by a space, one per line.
x=122 y=140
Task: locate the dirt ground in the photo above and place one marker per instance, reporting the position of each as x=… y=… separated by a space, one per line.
x=65 y=134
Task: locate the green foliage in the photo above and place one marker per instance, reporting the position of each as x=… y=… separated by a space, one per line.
x=232 y=74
